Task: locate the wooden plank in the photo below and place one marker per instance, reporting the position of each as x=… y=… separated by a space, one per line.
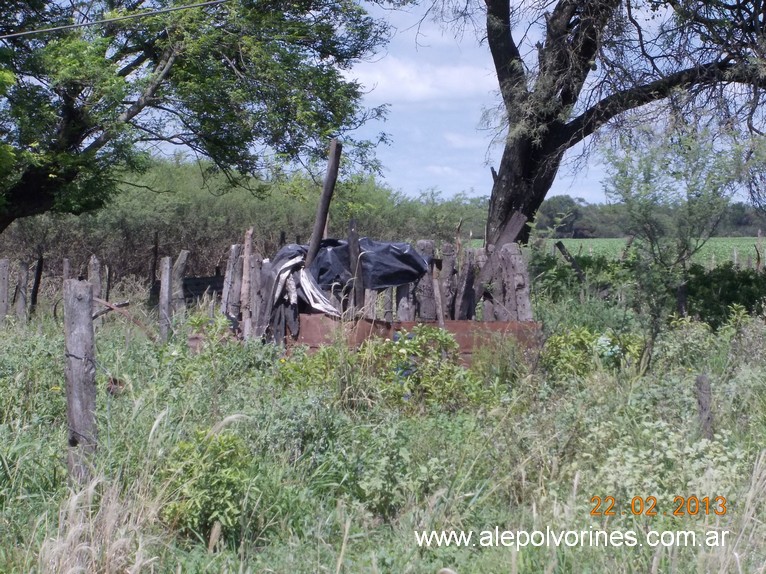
x=5 y=268
x=405 y=310
x=388 y=305
x=436 y=277
x=94 y=275
x=256 y=263
x=264 y=304
x=447 y=283
x=247 y=280
x=21 y=291
x=504 y=282
x=66 y=269
x=370 y=304
x=80 y=378
x=333 y=163
x=425 y=303
x=465 y=301
x=521 y=284
x=227 y=295
x=166 y=288
x=177 y=298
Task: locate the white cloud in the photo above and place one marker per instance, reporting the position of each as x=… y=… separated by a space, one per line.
x=396 y=80
x=465 y=141
x=442 y=170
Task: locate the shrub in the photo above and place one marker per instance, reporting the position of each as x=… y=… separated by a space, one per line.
x=576 y=352
x=207 y=482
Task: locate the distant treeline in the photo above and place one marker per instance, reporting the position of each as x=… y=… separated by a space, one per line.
x=564 y=216
x=173 y=203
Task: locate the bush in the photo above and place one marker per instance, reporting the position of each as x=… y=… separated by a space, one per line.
x=207 y=482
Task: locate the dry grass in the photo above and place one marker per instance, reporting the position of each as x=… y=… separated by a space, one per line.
x=101 y=529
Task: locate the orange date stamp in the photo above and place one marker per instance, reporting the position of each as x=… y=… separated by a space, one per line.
x=648 y=506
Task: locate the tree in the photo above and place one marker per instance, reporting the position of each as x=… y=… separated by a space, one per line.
x=247 y=84
x=675 y=186
x=566 y=69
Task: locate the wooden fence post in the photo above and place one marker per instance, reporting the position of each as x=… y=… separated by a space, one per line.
x=320 y=223
x=232 y=284
x=405 y=310
x=80 y=378
x=165 y=309
x=66 y=270
x=246 y=302
x=21 y=291
x=178 y=303
x=425 y=300
x=36 y=285
x=94 y=275
x=465 y=296
x=447 y=284
x=5 y=266
x=388 y=305
x=256 y=299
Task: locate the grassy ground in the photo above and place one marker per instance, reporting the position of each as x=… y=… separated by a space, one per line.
x=238 y=459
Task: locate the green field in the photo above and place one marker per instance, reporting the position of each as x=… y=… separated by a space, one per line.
x=716 y=251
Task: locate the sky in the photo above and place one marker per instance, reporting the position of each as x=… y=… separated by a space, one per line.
x=438 y=88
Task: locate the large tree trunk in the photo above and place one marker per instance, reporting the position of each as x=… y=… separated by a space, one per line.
x=525 y=176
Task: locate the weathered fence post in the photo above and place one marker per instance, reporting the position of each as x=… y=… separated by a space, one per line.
x=94 y=275
x=178 y=303
x=447 y=283
x=425 y=300
x=388 y=305
x=5 y=265
x=80 y=378
x=256 y=299
x=66 y=270
x=165 y=309
x=246 y=302
x=36 y=285
x=465 y=298
x=405 y=310
x=320 y=223
x=21 y=291
x=232 y=282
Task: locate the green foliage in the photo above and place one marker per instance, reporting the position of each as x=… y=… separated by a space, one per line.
x=253 y=87
x=208 y=482
x=374 y=466
x=712 y=293
x=422 y=368
x=576 y=352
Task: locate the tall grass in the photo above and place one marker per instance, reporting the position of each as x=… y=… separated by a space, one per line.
x=324 y=477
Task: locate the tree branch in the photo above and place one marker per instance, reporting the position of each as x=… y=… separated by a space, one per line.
x=611 y=106
x=161 y=73
x=505 y=54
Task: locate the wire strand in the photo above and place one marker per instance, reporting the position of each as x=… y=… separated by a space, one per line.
x=108 y=20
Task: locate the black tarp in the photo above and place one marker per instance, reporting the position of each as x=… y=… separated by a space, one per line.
x=384 y=264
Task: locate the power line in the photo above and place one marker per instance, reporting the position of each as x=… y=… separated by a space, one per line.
x=108 y=20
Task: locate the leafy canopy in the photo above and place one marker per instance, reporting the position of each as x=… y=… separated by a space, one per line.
x=248 y=84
